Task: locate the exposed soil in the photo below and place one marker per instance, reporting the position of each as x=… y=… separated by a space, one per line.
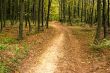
x=61 y=53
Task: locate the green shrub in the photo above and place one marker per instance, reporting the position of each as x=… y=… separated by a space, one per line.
x=3 y=47
x=16 y=50
x=104 y=44
x=8 y=40
x=25 y=46
x=4 y=68
x=76 y=20
x=14 y=60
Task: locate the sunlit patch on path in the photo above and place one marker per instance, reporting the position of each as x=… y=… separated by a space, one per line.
x=51 y=56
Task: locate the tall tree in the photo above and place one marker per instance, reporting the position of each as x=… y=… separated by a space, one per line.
x=20 y=36
x=42 y=14
x=48 y=13
x=98 y=31
x=108 y=12
x=39 y=10
x=82 y=10
x=104 y=19
x=92 y=13
x=79 y=8
x=69 y=14
x=1 y=19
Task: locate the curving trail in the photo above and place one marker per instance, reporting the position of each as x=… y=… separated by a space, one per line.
x=50 y=58
x=62 y=55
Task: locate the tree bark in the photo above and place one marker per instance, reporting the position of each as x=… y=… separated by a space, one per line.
x=98 y=31
x=20 y=36
x=104 y=19
x=48 y=14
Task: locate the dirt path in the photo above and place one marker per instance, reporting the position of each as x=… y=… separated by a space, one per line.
x=62 y=55
x=50 y=58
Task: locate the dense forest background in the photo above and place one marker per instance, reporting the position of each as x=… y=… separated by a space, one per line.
x=20 y=19
x=37 y=13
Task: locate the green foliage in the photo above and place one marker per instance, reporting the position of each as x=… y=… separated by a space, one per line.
x=76 y=20
x=8 y=40
x=54 y=17
x=4 y=68
x=54 y=13
x=16 y=51
x=104 y=44
x=26 y=49
x=3 y=47
x=14 y=60
x=20 y=54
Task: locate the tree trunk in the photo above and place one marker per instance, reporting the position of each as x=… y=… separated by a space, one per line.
x=42 y=14
x=20 y=36
x=82 y=11
x=108 y=13
x=1 y=19
x=48 y=14
x=98 y=31
x=39 y=10
x=104 y=19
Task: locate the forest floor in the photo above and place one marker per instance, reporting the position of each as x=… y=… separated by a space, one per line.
x=66 y=51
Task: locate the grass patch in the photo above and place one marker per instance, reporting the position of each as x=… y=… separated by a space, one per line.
x=84 y=34
x=104 y=44
x=12 y=56
x=8 y=40
x=3 y=47
x=4 y=68
x=99 y=52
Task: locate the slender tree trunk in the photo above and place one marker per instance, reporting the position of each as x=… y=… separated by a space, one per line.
x=64 y=10
x=98 y=31
x=4 y=14
x=1 y=19
x=69 y=14
x=104 y=19
x=79 y=8
x=108 y=13
x=39 y=10
x=48 y=14
x=85 y=8
x=82 y=11
x=34 y=12
x=42 y=14
x=92 y=14
x=60 y=13
x=20 y=36
x=74 y=13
